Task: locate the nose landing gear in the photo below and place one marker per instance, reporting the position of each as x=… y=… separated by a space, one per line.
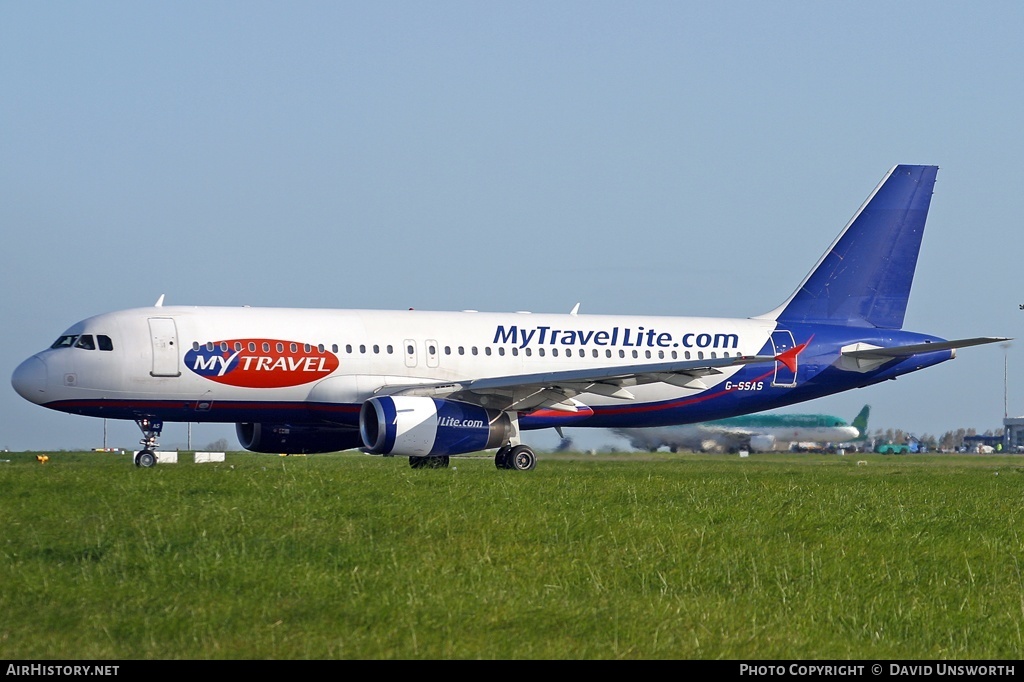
x=151 y=428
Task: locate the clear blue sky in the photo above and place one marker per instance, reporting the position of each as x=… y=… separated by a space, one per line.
x=655 y=157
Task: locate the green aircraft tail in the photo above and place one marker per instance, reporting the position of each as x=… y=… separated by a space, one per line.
x=860 y=422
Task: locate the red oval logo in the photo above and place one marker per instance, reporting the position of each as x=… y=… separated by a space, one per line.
x=261 y=363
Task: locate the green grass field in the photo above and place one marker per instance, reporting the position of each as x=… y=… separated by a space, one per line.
x=631 y=556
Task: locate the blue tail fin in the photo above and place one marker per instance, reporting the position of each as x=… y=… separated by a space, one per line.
x=864 y=278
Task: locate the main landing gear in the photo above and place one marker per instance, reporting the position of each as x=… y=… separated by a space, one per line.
x=517 y=457
x=151 y=428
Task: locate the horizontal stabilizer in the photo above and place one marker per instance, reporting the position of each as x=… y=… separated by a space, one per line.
x=906 y=351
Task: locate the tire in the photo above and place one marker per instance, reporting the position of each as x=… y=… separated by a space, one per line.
x=145 y=459
x=521 y=458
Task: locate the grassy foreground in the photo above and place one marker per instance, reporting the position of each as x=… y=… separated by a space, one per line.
x=356 y=557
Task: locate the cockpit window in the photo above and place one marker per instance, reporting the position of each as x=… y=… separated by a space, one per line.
x=84 y=341
x=65 y=341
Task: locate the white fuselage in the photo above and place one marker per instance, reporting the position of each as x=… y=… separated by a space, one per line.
x=346 y=356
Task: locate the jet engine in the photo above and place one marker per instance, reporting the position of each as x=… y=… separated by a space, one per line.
x=290 y=439
x=417 y=427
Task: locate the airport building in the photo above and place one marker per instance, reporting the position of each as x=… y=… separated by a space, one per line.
x=1013 y=434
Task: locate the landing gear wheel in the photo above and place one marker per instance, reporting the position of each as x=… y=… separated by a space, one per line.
x=501 y=457
x=521 y=458
x=151 y=429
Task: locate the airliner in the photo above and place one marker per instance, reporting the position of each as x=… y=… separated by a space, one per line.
x=752 y=432
x=429 y=385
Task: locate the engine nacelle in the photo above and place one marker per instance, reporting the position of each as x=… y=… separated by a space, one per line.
x=290 y=439
x=418 y=427
x=762 y=443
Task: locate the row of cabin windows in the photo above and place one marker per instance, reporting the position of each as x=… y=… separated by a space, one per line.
x=293 y=347
x=608 y=353
x=103 y=342
x=84 y=341
x=279 y=347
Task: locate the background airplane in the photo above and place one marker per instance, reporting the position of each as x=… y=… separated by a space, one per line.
x=762 y=432
x=426 y=385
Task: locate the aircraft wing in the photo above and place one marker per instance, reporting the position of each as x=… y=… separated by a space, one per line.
x=556 y=390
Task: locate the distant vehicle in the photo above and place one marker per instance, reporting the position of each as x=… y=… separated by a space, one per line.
x=892 y=448
x=753 y=432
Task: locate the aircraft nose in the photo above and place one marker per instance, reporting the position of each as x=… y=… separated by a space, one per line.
x=29 y=380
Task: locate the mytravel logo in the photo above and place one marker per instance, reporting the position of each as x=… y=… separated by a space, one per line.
x=260 y=363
